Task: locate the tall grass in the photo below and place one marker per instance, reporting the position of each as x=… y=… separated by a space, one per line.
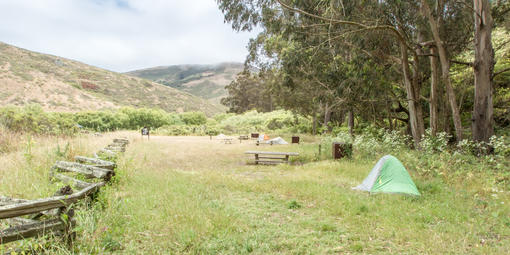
x=25 y=172
x=192 y=195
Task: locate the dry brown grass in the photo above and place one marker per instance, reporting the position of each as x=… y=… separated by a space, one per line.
x=57 y=85
x=24 y=171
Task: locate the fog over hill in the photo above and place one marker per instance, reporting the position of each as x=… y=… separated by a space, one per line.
x=206 y=81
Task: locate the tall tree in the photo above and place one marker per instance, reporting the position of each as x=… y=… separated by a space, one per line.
x=444 y=58
x=483 y=119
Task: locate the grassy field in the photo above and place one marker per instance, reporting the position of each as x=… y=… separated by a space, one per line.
x=192 y=195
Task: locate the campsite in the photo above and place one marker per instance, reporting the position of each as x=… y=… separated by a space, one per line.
x=191 y=194
x=254 y=127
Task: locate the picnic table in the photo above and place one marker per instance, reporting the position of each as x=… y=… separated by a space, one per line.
x=228 y=140
x=271 y=157
x=243 y=137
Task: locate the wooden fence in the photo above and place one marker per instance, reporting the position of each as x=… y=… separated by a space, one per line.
x=54 y=215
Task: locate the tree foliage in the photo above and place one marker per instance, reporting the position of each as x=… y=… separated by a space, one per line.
x=380 y=60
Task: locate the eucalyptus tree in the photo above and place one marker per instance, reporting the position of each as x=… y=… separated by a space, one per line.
x=248 y=92
x=334 y=20
x=483 y=112
x=446 y=14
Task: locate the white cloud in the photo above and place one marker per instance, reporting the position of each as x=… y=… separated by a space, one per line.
x=123 y=35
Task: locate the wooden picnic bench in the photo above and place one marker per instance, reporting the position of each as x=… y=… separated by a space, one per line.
x=270 y=157
x=228 y=140
x=243 y=137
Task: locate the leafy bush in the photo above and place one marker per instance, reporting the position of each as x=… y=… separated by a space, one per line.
x=174 y=130
x=32 y=119
x=501 y=147
x=253 y=121
x=193 y=118
x=436 y=157
x=438 y=143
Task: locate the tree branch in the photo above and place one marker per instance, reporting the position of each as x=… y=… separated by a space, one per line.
x=345 y=22
x=500 y=72
x=471 y=9
x=462 y=62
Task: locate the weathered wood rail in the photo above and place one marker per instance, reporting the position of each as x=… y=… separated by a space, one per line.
x=33 y=218
x=270 y=157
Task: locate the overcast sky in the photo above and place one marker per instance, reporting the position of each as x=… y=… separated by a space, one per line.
x=123 y=35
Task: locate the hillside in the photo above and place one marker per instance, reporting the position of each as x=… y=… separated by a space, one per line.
x=206 y=81
x=59 y=84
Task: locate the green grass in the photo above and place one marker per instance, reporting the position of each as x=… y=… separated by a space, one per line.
x=197 y=196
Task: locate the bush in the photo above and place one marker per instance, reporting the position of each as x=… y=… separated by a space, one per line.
x=277 y=121
x=436 y=157
x=438 y=143
x=174 y=130
x=32 y=119
x=193 y=118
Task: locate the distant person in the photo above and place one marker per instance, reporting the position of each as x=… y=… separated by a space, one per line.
x=145 y=131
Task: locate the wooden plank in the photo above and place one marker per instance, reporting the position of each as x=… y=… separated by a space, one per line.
x=118 y=143
x=121 y=140
x=123 y=145
x=20 y=221
x=30 y=230
x=272 y=153
x=270 y=162
x=272 y=158
x=39 y=205
x=115 y=148
x=87 y=170
x=106 y=151
x=96 y=162
x=69 y=180
x=10 y=201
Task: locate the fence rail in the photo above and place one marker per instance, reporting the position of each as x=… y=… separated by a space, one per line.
x=25 y=217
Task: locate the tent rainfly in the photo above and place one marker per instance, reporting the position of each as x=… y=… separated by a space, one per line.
x=221 y=136
x=389 y=176
x=262 y=138
x=277 y=140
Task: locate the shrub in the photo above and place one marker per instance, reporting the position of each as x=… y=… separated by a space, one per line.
x=253 y=121
x=438 y=143
x=173 y=130
x=193 y=118
x=32 y=119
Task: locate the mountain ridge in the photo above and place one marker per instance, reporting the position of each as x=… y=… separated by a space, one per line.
x=61 y=84
x=204 y=80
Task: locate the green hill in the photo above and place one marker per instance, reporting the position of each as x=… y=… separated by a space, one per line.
x=206 y=81
x=60 y=84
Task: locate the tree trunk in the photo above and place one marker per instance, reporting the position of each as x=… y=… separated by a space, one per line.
x=388 y=108
x=483 y=119
x=351 y=123
x=314 y=125
x=447 y=115
x=417 y=92
x=434 y=93
x=445 y=69
x=412 y=98
x=327 y=117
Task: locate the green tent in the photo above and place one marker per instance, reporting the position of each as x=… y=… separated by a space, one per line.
x=390 y=176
